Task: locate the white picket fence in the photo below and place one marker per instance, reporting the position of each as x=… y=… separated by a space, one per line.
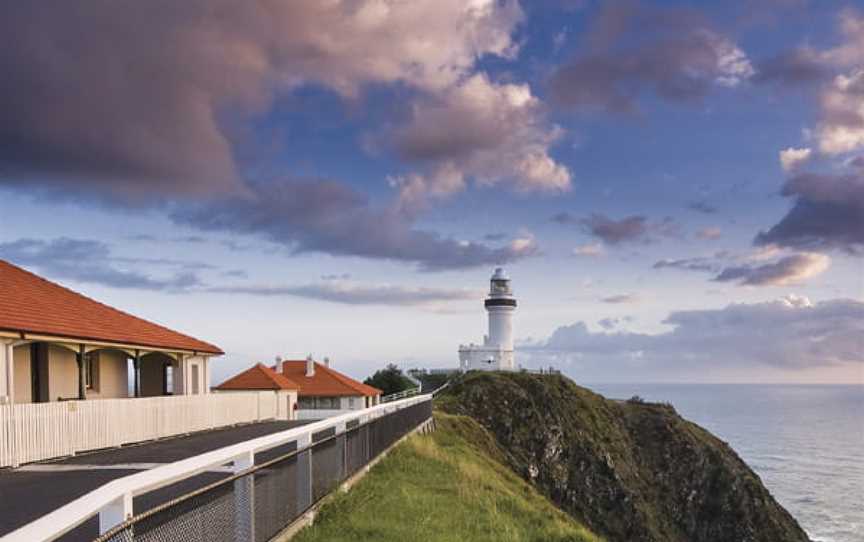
x=38 y=431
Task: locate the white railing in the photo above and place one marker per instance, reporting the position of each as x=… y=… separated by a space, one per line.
x=410 y=392
x=38 y=431
x=113 y=502
x=322 y=413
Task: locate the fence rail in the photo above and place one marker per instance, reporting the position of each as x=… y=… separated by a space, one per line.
x=276 y=479
x=410 y=392
x=38 y=431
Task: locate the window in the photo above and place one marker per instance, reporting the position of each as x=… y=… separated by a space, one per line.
x=352 y=403
x=91 y=371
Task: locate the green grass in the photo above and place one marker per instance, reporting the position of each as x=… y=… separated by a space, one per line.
x=450 y=485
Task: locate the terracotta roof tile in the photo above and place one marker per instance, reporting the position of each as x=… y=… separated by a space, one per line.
x=325 y=382
x=258 y=377
x=31 y=304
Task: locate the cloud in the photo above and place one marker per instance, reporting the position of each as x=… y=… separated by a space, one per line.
x=702 y=207
x=789 y=270
x=351 y=293
x=689 y=264
x=630 y=229
x=329 y=217
x=789 y=333
x=709 y=234
x=91 y=262
x=632 y=49
x=841 y=127
x=768 y=266
x=791 y=69
x=621 y=299
x=792 y=158
x=161 y=79
x=611 y=323
x=494 y=133
x=828 y=213
x=591 y=250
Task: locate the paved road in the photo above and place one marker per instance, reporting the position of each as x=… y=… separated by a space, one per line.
x=34 y=490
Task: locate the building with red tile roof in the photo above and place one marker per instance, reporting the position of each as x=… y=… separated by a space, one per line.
x=319 y=387
x=58 y=344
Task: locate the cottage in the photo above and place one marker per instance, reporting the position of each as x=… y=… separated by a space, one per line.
x=56 y=344
x=321 y=391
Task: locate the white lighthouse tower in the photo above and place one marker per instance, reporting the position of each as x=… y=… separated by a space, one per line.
x=496 y=352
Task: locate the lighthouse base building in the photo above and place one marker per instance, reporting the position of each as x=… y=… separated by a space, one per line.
x=496 y=352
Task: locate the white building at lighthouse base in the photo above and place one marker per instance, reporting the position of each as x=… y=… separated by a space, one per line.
x=476 y=357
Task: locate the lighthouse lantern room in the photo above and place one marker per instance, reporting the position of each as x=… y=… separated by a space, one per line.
x=496 y=352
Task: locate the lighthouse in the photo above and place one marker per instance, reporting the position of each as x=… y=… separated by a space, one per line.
x=496 y=352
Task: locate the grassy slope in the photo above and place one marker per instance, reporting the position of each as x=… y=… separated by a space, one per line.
x=449 y=485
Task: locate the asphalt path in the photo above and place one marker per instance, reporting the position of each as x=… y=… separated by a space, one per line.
x=32 y=491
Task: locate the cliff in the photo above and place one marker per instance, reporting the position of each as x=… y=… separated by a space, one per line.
x=629 y=471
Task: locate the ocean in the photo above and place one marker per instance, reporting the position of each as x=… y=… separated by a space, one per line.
x=806 y=443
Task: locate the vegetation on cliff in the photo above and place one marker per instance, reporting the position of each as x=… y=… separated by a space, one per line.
x=629 y=470
x=451 y=485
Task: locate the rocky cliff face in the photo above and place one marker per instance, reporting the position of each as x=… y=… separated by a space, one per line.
x=630 y=471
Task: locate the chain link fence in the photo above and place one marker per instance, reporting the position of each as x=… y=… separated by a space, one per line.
x=258 y=503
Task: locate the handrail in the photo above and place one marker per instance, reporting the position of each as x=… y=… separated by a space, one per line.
x=113 y=501
x=410 y=392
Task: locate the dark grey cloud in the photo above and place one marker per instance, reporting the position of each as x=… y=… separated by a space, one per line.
x=611 y=323
x=621 y=299
x=334 y=276
x=351 y=293
x=91 y=262
x=790 y=333
x=630 y=229
x=613 y=232
x=324 y=216
x=134 y=100
x=787 y=270
x=702 y=207
x=689 y=264
x=828 y=213
x=633 y=48
x=760 y=269
x=792 y=69
x=236 y=274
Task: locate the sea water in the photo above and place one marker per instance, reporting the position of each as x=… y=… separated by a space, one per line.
x=805 y=442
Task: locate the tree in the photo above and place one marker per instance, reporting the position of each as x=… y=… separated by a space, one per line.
x=390 y=380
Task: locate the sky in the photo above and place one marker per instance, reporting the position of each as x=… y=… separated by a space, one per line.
x=676 y=188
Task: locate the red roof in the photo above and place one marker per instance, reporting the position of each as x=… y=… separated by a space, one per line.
x=259 y=377
x=31 y=304
x=325 y=381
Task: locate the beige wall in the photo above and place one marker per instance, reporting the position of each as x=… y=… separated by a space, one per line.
x=113 y=376
x=62 y=373
x=4 y=386
x=22 y=374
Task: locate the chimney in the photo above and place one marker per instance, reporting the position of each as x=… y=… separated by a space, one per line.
x=326 y=361
x=279 y=367
x=310 y=366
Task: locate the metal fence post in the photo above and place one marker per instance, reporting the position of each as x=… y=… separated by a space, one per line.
x=304 y=473
x=244 y=499
x=115 y=513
